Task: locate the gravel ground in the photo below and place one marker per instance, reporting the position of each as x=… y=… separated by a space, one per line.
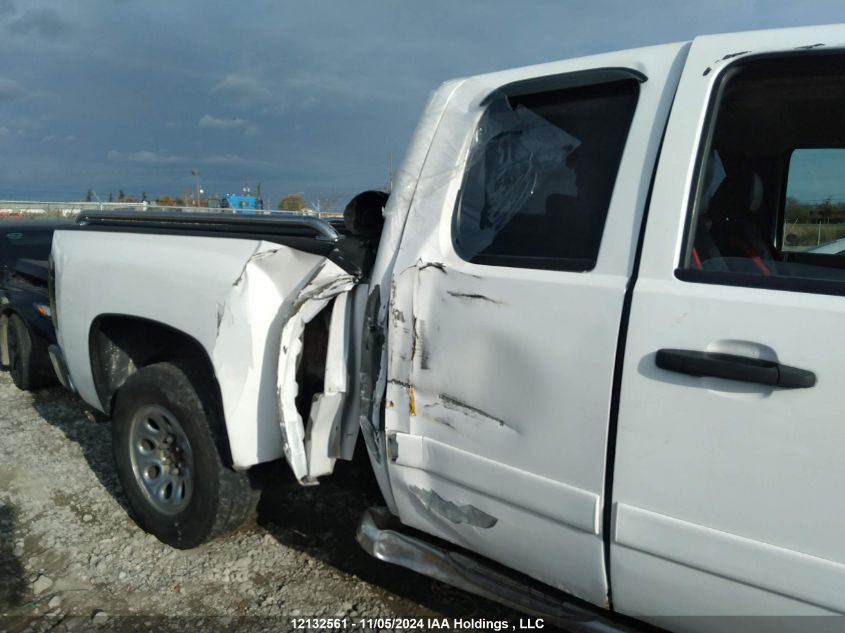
x=71 y=558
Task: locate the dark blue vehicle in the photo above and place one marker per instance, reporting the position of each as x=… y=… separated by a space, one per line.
x=26 y=327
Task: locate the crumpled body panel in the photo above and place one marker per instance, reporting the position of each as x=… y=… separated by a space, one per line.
x=246 y=302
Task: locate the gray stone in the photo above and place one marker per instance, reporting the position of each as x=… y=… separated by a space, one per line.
x=41 y=585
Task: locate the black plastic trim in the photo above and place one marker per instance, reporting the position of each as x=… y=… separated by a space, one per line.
x=791 y=284
x=733 y=367
x=299 y=226
x=302 y=233
x=563 y=81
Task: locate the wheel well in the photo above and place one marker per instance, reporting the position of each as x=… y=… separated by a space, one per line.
x=120 y=345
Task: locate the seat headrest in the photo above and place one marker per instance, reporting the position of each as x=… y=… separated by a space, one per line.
x=363 y=215
x=739 y=193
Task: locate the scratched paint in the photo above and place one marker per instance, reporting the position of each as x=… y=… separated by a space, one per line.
x=457 y=514
x=471 y=296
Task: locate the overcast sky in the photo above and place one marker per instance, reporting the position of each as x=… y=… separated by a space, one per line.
x=309 y=97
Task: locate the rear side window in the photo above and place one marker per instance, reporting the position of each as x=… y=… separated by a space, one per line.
x=770 y=205
x=540 y=177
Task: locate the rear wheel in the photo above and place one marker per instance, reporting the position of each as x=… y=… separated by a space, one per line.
x=172 y=459
x=22 y=365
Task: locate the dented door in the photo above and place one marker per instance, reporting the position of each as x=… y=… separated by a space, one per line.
x=505 y=309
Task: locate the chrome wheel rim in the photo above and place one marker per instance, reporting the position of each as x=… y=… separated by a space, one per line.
x=162 y=461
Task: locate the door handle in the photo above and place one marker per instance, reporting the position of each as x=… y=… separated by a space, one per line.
x=732 y=367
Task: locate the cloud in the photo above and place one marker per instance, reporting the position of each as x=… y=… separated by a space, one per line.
x=235 y=159
x=44 y=22
x=143 y=156
x=7 y=131
x=308 y=103
x=244 y=89
x=248 y=127
x=225 y=159
x=10 y=89
x=58 y=138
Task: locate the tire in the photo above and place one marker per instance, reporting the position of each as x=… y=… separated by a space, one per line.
x=22 y=365
x=171 y=454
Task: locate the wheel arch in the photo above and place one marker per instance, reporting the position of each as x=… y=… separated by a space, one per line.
x=120 y=344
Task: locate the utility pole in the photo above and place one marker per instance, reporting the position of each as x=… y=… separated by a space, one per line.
x=196 y=174
x=98 y=199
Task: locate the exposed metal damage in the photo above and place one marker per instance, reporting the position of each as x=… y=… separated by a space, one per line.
x=457 y=514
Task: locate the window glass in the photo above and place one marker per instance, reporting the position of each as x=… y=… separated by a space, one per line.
x=540 y=176
x=814 y=221
x=770 y=208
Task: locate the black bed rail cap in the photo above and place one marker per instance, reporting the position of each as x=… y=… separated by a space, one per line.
x=278 y=224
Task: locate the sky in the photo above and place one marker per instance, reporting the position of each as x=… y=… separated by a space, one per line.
x=316 y=97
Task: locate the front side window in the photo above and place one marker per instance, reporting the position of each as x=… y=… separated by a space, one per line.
x=770 y=204
x=540 y=176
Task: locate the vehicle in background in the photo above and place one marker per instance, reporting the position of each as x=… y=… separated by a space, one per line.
x=26 y=329
x=833 y=247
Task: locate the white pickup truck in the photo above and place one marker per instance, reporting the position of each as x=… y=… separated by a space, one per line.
x=593 y=346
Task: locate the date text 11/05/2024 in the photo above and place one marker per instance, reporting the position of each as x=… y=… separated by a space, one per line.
x=410 y=624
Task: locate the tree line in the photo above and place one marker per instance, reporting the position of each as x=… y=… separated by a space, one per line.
x=824 y=212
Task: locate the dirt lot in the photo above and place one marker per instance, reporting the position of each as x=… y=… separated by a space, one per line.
x=71 y=558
